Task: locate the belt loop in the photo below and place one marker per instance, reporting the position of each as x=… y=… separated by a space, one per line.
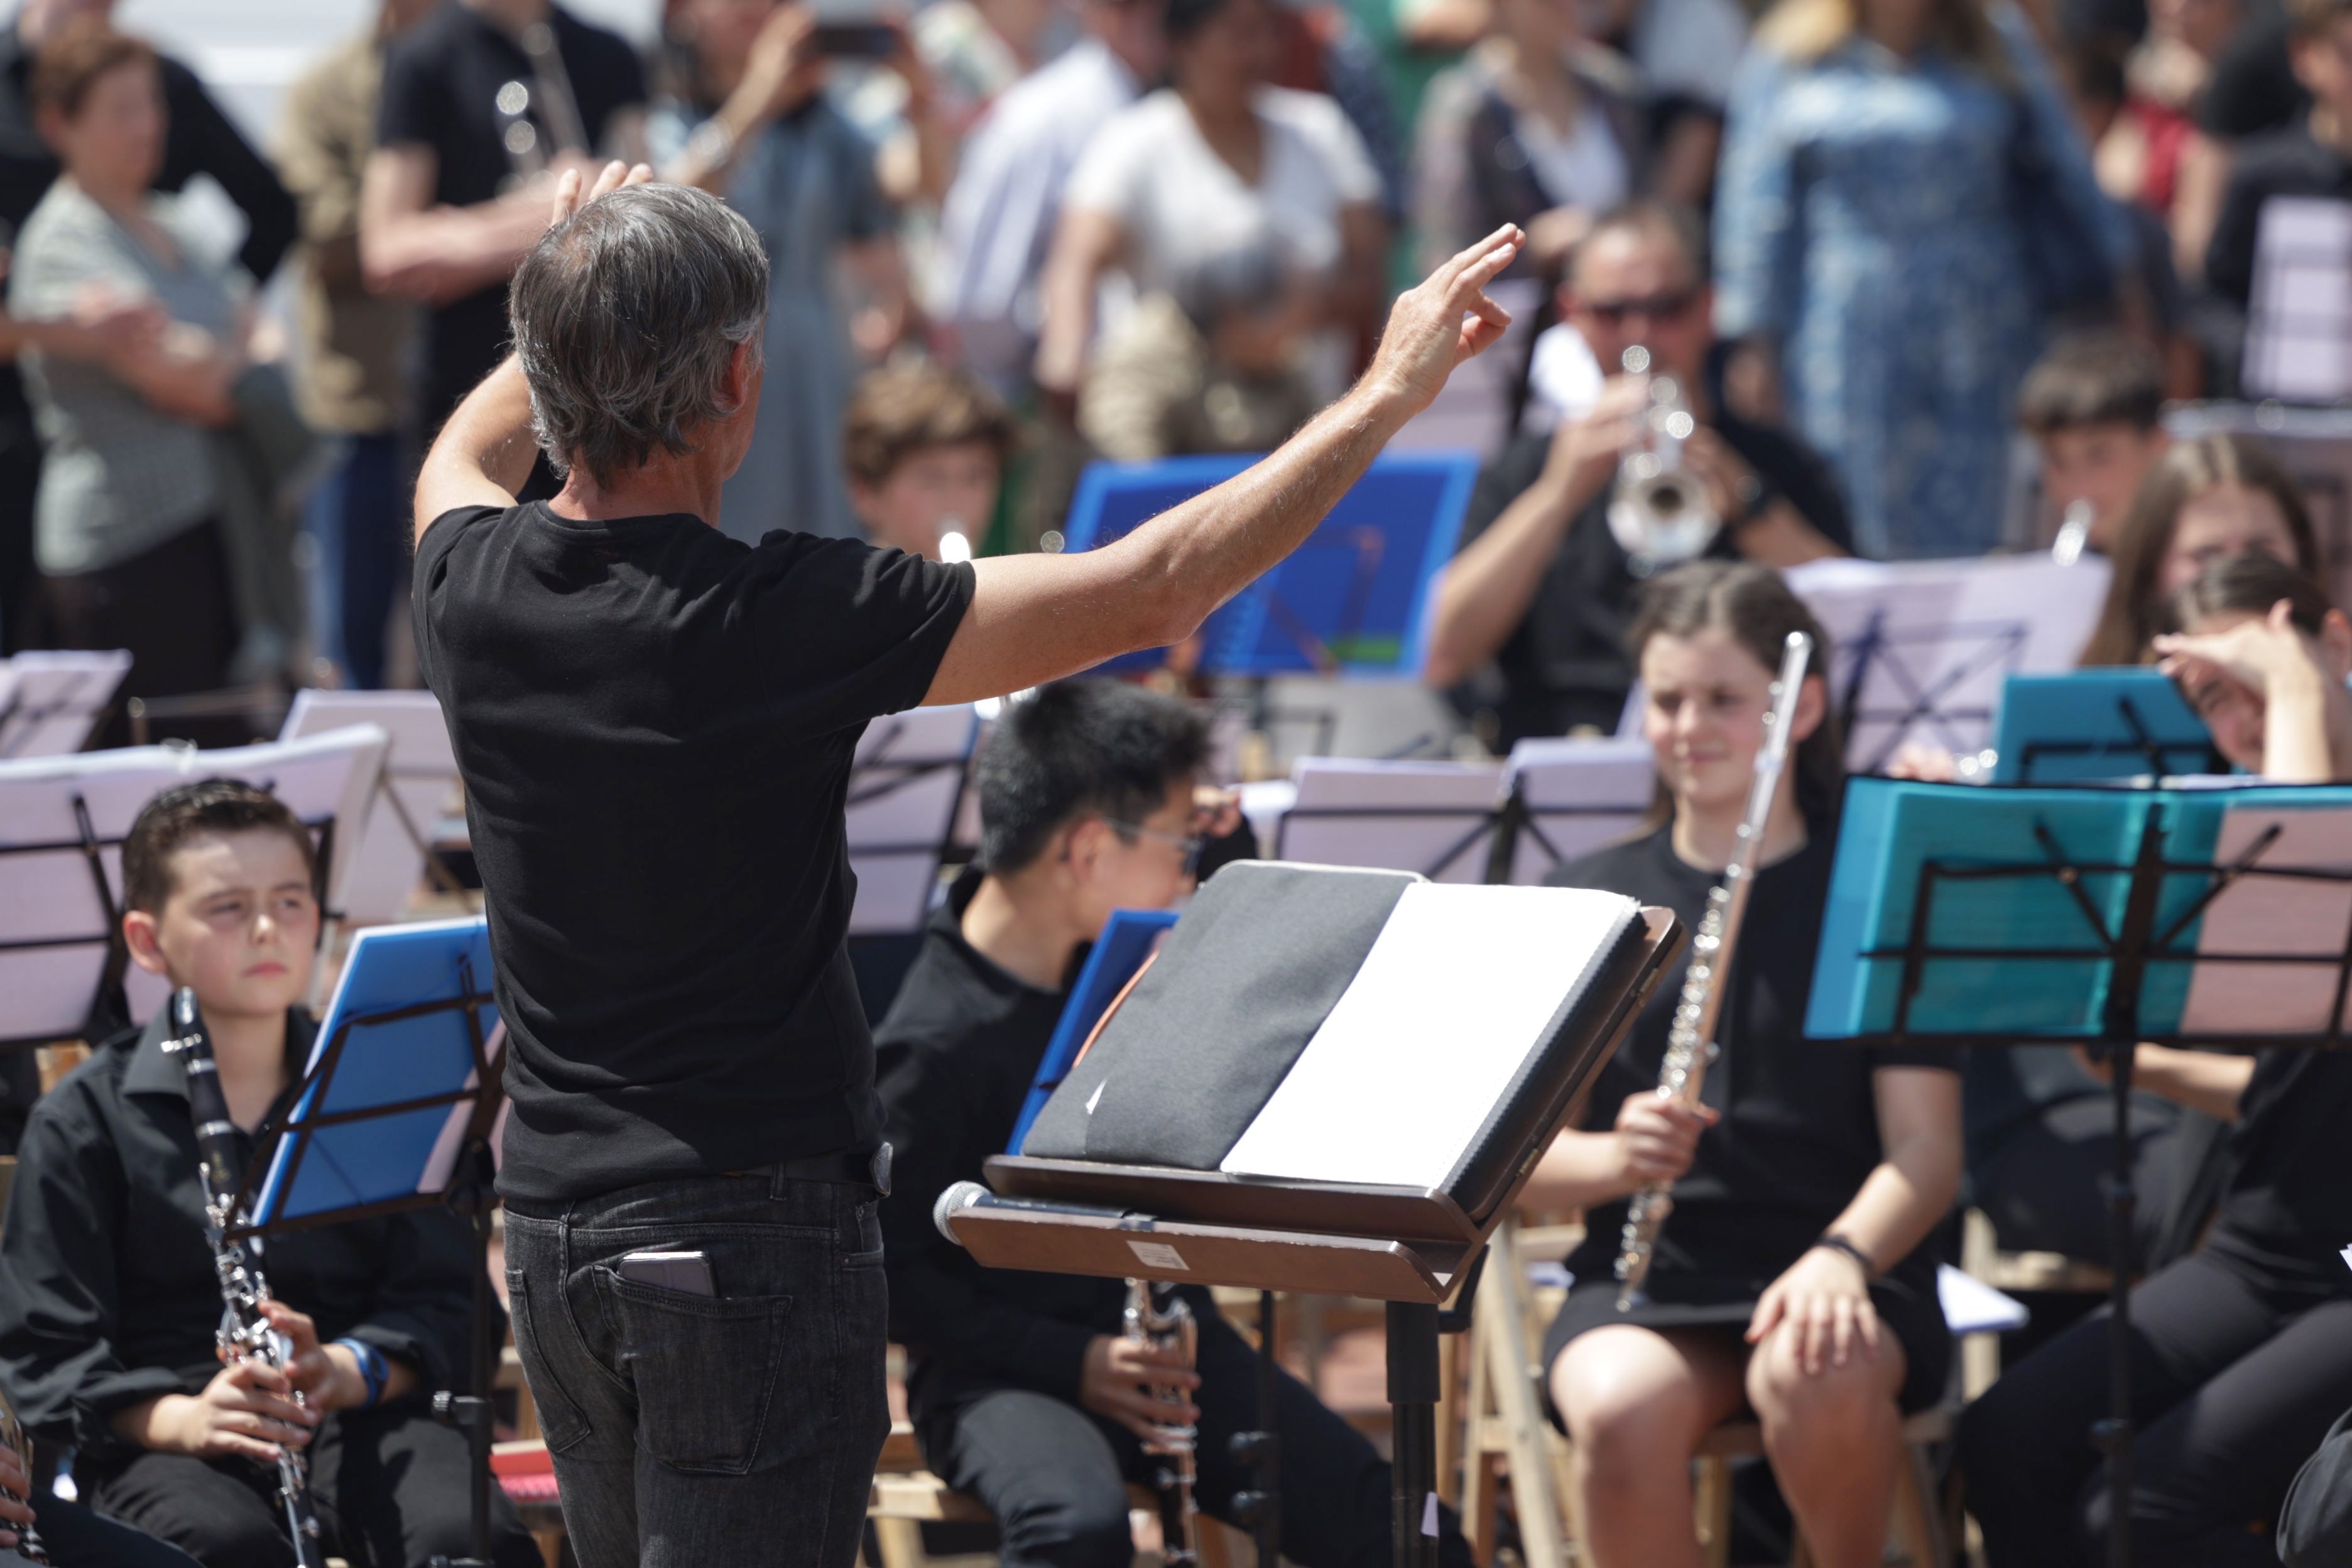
x=777 y=1182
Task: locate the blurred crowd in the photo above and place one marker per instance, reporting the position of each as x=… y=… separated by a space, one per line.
x=1008 y=237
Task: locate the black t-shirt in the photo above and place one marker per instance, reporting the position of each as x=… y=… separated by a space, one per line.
x=654 y=724
x=2288 y=1206
x=954 y=1059
x=441 y=82
x=1799 y=1128
x=2289 y=164
x=1565 y=665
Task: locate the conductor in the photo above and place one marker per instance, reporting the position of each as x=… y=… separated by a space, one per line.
x=654 y=724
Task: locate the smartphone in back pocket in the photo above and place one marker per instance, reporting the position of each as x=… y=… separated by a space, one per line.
x=687 y=1272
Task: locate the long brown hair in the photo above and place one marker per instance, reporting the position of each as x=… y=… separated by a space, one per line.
x=2133 y=612
x=1754 y=607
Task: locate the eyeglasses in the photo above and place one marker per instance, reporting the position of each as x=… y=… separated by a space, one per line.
x=1189 y=844
x=1654 y=308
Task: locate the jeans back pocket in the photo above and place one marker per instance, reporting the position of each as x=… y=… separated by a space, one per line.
x=704 y=1369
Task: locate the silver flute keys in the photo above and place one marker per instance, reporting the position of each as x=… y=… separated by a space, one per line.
x=245 y=1332
x=1170 y=1326
x=1690 y=1042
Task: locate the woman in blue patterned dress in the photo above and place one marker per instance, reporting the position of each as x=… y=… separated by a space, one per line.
x=1903 y=197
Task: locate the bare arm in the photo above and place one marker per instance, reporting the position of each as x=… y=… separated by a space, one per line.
x=1035 y=618
x=188 y=375
x=415 y=250
x=784 y=71
x=2209 y=1081
x=1085 y=245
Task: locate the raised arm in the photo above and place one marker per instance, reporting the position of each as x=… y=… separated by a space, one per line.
x=1036 y=617
x=415 y=250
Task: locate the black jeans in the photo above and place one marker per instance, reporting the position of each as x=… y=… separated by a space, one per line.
x=390 y=1488
x=2235 y=1379
x=77 y=1537
x=1057 y=1477
x=739 y=1429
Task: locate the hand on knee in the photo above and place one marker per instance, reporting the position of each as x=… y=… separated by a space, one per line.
x=1819 y=1401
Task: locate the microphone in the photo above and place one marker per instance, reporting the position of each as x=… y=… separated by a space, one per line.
x=959 y=1196
x=962 y=1196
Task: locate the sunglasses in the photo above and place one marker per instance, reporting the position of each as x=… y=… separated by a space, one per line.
x=1654 y=308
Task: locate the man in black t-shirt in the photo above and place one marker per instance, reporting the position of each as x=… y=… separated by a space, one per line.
x=2312 y=158
x=654 y=724
x=478 y=99
x=1541 y=589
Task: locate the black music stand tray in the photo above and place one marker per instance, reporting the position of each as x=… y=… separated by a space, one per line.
x=2164 y=897
x=1416 y=1250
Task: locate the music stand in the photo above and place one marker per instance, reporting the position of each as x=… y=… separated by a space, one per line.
x=1568 y=798
x=1412 y=1246
x=1432 y=819
x=410 y=795
x=904 y=781
x=399 y=1109
x=2098 y=724
x=53 y=700
x=1968 y=917
x=64 y=971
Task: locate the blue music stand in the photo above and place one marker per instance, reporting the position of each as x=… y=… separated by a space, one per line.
x=395 y=1112
x=1353 y=600
x=1126 y=942
x=2098 y=724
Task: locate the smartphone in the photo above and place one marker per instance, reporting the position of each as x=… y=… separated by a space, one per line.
x=686 y=1272
x=858 y=40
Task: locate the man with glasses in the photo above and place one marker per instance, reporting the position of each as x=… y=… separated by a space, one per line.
x=1541 y=590
x=1022 y=1390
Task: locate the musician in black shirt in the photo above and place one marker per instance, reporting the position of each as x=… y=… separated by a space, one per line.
x=108 y=1302
x=1023 y=1392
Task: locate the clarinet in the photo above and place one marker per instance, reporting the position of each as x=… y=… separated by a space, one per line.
x=1170 y=1327
x=245 y=1330
x=12 y=1436
x=1690 y=1043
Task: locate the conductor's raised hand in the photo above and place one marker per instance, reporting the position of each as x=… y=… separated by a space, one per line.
x=1444 y=320
x=569 y=197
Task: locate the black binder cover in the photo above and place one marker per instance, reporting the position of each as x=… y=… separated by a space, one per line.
x=1284 y=942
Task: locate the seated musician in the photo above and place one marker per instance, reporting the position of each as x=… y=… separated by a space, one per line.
x=1794 y=1281
x=2244 y=1346
x=1023 y=1392
x=108 y=1303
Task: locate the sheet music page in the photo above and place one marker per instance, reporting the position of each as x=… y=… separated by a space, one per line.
x=2273 y=915
x=2299 y=330
x=1436 y=832
x=1579 y=795
x=903 y=785
x=1453 y=996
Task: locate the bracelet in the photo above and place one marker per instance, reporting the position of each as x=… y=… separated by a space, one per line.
x=1836 y=1242
x=372 y=1372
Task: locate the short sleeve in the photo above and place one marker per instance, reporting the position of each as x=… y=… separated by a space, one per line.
x=1109 y=176
x=62 y=253
x=1339 y=148
x=431 y=574
x=1501 y=482
x=415 y=111
x=846 y=632
x=1944 y=1058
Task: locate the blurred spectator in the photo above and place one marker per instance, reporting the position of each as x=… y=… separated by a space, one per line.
x=999 y=219
x=1688 y=52
x=128 y=526
x=198 y=139
x=975 y=51
x=355 y=348
x=2253 y=91
x=750 y=123
x=1212 y=366
x=2207 y=499
x=1535 y=128
x=1542 y=587
x=925 y=447
x=2095 y=408
x=482 y=100
x=1323 y=50
x=1904 y=198
x=2314 y=158
x=1199 y=169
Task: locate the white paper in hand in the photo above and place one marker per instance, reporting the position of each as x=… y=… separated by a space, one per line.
x=1455 y=996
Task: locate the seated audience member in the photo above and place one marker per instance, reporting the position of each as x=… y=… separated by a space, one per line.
x=1200 y=168
x=1541 y=587
x=1022 y=1390
x=2207 y=499
x=2312 y=158
x=748 y=119
x=453 y=196
x=2243 y=1349
x=2094 y=406
x=1211 y=365
x=1796 y=1278
x=131 y=531
x=71 y=1534
x=108 y=1297
x=925 y=449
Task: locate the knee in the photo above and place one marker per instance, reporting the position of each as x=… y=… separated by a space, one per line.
x=1081 y=1528
x=1620 y=1429
x=1830 y=1407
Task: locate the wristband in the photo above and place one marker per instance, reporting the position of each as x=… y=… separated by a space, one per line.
x=1836 y=1242
x=372 y=1372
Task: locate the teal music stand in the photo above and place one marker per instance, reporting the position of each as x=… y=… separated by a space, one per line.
x=2098 y=724
x=1970 y=917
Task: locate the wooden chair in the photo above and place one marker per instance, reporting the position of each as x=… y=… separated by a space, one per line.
x=1981 y=1256
x=1922 y=1526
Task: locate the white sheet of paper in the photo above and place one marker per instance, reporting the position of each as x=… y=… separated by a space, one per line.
x=51 y=698
x=1440 y=808
x=387 y=867
x=902 y=810
x=1972 y=1307
x=2299 y=328
x=2273 y=914
x=1452 y=998
x=1580 y=794
x=444 y=1158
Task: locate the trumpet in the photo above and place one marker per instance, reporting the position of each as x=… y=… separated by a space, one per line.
x=1659 y=514
x=1148 y=1322
x=1690 y=1044
x=12 y=1436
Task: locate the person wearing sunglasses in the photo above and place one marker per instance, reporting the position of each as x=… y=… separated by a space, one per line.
x=1541 y=590
x=1023 y=1391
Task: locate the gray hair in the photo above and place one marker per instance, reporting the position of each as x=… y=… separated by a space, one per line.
x=624 y=319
